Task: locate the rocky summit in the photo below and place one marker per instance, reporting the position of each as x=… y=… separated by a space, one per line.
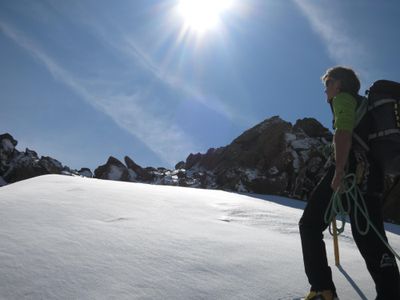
x=274 y=157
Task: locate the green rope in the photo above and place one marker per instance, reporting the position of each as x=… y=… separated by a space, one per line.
x=336 y=208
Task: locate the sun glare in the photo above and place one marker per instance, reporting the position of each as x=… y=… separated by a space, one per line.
x=202 y=15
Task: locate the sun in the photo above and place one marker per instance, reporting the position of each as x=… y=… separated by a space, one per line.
x=202 y=15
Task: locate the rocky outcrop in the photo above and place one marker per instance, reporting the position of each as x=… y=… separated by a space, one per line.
x=85 y=172
x=51 y=165
x=2 y=182
x=312 y=128
x=7 y=152
x=27 y=164
x=16 y=165
x=113 y=170
x=180 y=165
x=273 y=157
x=137 y=173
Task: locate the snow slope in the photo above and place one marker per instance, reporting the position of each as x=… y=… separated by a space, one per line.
x=67 y=237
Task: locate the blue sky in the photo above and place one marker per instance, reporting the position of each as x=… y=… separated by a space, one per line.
x=83 y=80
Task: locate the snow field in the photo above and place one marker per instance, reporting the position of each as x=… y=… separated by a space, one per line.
x=67 y=237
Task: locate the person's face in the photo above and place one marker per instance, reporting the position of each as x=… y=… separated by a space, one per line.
x=332 y=88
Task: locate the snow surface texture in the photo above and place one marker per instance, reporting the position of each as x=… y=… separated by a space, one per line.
x=78 y=238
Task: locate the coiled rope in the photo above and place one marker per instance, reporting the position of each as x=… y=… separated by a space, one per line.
x=336 y=208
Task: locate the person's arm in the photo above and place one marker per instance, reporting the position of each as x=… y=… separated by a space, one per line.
x=342 y=141
x=344 y=106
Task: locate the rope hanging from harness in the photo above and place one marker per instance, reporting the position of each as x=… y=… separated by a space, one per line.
x=336 y=208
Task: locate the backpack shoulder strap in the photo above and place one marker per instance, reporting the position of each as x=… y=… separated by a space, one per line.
x=361 y=110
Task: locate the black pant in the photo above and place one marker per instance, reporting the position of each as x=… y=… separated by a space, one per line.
x=379 y=260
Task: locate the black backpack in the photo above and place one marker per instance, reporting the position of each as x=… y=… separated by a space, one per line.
x=377 y=127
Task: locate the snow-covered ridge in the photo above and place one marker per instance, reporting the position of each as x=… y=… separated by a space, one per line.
x=274 y=157
x=79 y=238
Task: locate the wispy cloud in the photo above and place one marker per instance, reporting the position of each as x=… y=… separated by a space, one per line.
x=126 y=44
x=156 y=132
x=111 y=34
x=130 y=47
x=330 y=26
x=40 y=55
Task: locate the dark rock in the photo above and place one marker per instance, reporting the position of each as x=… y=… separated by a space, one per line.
x=180 y=165
x=262 y=143
x=137 y=173
x=192 y=160
x=2 y=182
x=68 y=171
x=25 y=165
x=31 y=153
x=312 y=128
x=150 y=169
x=181 y=174
x=52 y=165
x=113 y=170
x=273 y=157
x=7 y=136
x=16 y=166
x=7 y=151
x=85 y=172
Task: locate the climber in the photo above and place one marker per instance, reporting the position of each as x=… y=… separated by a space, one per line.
x=342 y=87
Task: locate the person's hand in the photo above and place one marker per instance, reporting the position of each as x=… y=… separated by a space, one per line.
x=337 y=180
